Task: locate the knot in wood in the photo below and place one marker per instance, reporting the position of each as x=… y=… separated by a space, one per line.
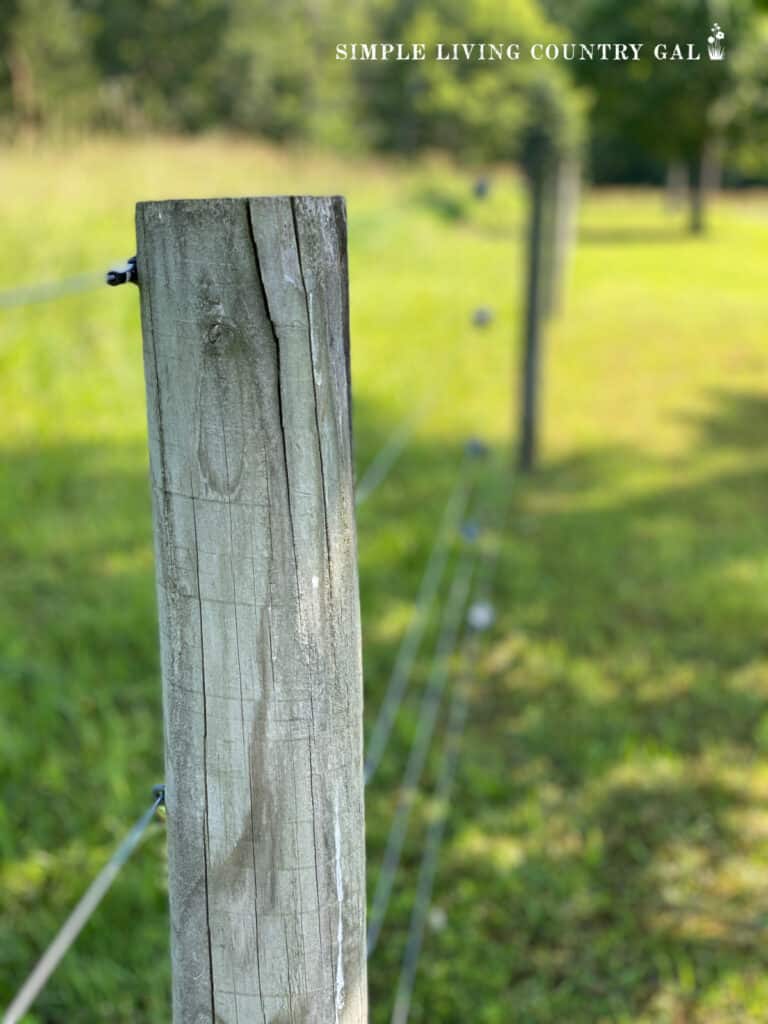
x=222 y=331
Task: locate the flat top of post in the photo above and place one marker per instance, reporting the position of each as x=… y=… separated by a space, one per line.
x=226 y=200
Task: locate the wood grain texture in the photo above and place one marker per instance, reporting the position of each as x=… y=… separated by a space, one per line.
x=246 y=353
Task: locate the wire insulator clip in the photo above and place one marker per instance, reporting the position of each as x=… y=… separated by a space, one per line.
x=125 y=274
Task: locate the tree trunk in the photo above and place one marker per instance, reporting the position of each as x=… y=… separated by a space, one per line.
x=675 y=189
x=697 y=194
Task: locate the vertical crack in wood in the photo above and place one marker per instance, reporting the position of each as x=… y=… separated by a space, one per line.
x=206 y=832
x=246 y=748
x=279 y=388
x=269 y=672
x=290 y=509
x=308 y=305
x=158 y=403
x=315 y=843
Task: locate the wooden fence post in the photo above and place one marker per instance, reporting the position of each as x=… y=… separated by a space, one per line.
x=567 y=191
x=532 y=324
x=549 y=218
x=246 y=354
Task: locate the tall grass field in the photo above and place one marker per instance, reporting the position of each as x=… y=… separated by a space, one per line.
x=606 y=858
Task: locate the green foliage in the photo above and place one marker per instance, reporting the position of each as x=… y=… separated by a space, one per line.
x=480 y=110
x=285 y=82
x=743 y=111
x=150 y=64
x=161 y=63
x=269 y=68
x=50 y=76
x=669 y=108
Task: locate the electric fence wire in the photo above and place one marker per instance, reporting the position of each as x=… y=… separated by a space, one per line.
x=79 y=917
x=29 y=295
x=479 y=619
x=430 y=706
x=45 y=291
x=400 y=676
x=380 y=466
x=428 y=867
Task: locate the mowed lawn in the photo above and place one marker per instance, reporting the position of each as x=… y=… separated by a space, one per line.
x=607 y=853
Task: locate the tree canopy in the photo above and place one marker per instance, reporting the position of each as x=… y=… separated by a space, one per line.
x=268 y=68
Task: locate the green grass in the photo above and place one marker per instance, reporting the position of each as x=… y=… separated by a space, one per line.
x=608 y=844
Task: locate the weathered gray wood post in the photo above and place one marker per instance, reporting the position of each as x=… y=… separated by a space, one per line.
x=566 y=209
x=530 y=373
x=549 y=218
x=246 y=353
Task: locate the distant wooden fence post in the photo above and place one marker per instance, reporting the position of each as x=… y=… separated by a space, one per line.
x=553 y=190
x=549 y=227
x=566 y=209
x=246 y=353
x=532 y=323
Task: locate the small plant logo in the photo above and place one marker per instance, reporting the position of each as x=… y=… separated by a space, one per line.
x=715 y=43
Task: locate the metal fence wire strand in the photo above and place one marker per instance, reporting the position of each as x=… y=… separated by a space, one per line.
x=479 y=619
x=409 y=647
x=30 y=295
x=45 y=291
x=379 y=467
x=430 y=707
x=428 y=866
x=79 y=917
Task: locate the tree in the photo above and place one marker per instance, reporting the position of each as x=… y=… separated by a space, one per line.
x=669 y=108
x=486 y=110
x=284 y=80
x=742 y=113
x=160 y=63
x=476 y=109
x=50 y=79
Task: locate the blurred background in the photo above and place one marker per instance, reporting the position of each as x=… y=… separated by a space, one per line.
x=607 y=841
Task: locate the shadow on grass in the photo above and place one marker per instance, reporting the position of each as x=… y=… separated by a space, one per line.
x=617 y=845
x=608 y=827
x=81 y=730
x=448 y=206
x=629 y=236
